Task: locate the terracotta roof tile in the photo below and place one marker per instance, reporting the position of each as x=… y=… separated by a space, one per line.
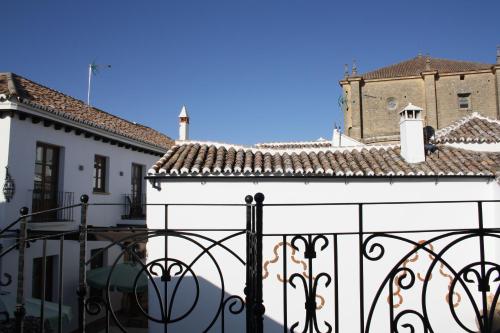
x=470 y=129
x=383 y=161
x=65 y=106
x=268 y=163
x=417 y=65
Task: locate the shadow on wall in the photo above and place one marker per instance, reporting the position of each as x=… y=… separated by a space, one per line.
x=200 y=306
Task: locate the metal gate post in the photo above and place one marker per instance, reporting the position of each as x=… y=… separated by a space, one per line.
x=259 y=308
x=82 y=289
x=20 y=310
x=248 y=283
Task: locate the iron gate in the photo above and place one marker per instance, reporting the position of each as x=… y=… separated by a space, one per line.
x=477 y=283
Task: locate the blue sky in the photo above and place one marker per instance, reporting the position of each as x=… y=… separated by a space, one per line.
x=248 y=71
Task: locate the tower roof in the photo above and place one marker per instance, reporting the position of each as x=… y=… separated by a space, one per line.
x=417 y=65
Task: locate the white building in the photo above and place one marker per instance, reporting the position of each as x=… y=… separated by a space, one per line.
x=54 y=149
x=338 y=193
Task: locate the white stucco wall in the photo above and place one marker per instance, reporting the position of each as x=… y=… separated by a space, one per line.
x=75 y=151
x=320 y=219
x=18 y=141
x=4 y=160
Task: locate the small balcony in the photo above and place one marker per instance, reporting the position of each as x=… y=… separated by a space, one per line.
x=134 y=207
x=45 y=201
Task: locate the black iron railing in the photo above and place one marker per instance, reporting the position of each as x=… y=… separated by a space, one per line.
x=401 y=298
x=134 y=206
x=50 y=205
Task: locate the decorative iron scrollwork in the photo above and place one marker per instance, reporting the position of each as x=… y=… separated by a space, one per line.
x=311 y=283
x=475 y=282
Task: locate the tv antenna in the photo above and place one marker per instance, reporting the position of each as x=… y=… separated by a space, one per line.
x=93 y=70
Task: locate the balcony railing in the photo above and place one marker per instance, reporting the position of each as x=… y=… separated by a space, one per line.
x=134 y=207
x=47 y=202
x=323 y=279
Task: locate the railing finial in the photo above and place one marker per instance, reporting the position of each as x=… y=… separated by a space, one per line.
x=248 y=199
x=259 y=197
x=24 y=210
x=84 y=198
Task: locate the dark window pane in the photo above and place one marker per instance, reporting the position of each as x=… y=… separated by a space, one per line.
x=39 y=154
x=45 y=185
x=49 y=156
x=96 y=261
x=99 y=173
x=37 y=281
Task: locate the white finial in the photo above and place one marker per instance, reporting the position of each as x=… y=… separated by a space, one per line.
x=183 y=124
x=183 y=113
x=354 y=68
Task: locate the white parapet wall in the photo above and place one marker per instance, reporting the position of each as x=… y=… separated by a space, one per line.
x=340 y=225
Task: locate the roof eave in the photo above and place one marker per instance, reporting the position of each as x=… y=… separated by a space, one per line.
x=34 y=109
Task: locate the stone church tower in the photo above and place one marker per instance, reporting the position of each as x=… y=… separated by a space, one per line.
x=448 y=89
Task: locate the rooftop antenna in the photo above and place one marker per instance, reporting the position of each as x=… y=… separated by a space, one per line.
x=93 y=70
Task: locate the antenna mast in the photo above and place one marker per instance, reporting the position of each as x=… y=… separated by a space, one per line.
x=88 y=86
x=93 y=69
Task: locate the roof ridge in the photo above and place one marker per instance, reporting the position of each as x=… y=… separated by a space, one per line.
x=11 y=84
x=291 y=142
x=472 y=128
x=254 y=149
x=210 y=143
x=414 y=66
x=460 y=122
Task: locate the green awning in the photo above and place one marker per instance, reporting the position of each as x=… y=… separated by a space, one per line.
x=122 y=277
x=33 y=307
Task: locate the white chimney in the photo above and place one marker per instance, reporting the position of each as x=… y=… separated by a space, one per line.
x=412 y=134
x=183 y=124
x=336 y=138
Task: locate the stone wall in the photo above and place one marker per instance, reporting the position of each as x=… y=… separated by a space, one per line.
x=481 y=88
x=380 y=117
x=375 y=110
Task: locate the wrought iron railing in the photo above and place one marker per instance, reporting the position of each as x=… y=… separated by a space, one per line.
x=134 y=206
x=407 y=289
x=50 y=205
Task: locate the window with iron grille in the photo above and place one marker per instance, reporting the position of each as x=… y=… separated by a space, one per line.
x=99 y=173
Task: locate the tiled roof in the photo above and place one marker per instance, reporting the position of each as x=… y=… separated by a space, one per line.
x=417 y=65
x=470 y=129
x=39 y=96
x=205 y=160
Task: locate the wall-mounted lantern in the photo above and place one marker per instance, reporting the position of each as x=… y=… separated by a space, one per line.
x=9 y=187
